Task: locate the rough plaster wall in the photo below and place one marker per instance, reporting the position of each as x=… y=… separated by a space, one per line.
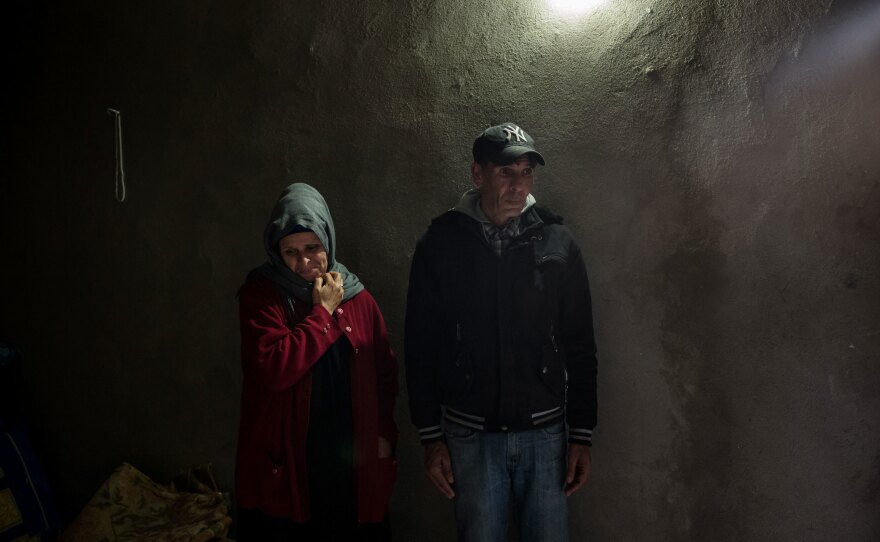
x=716 y=159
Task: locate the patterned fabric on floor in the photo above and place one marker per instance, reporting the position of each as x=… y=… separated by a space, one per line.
x=130 y=506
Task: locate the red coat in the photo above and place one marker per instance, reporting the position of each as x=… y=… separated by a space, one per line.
x=270 y=472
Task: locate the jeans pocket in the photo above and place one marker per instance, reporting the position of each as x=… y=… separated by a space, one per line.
x=457 y=431
x=554 y=429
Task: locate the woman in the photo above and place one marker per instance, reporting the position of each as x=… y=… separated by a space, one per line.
x=316 y=432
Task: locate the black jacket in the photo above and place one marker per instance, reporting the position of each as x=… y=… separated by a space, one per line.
x=503 y=342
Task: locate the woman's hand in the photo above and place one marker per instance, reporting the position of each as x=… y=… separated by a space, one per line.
x=327 y=291
x=385 y=449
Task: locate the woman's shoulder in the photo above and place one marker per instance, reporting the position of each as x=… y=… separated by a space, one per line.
x=361 y=299
x=363 y=305
x=257 y=286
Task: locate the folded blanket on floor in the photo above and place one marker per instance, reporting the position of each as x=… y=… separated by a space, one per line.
x=130 y=506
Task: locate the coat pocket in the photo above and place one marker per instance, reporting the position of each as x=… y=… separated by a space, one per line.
x=458 y=377
x=551 y=369
x=375 y=493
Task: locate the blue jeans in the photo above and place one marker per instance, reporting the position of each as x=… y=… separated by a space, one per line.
x=521 y=471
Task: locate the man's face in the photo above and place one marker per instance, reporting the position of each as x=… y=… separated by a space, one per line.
x=503 y=189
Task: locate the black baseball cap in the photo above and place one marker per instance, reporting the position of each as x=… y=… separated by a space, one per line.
x=503 y=144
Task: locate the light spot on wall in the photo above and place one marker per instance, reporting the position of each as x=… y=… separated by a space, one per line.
x=575 y=8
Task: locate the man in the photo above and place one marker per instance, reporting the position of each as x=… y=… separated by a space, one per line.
x=500 y=354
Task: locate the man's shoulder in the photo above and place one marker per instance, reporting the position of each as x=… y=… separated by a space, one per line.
x=451 y=232
x=556 y=237
x=449 y=224
x=547 y=216
x=551 y=223
x=447 y=219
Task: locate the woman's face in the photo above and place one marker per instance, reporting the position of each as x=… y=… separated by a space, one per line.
x=304 y=254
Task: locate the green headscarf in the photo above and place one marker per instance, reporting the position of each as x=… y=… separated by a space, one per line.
x=302 y=207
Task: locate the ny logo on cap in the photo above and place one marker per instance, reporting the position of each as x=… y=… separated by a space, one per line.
x=514 y=130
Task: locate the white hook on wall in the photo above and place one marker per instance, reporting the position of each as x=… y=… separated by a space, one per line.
x=120 y=168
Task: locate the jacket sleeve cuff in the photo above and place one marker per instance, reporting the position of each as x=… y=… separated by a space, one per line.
x=578 y=435
x=427 y=435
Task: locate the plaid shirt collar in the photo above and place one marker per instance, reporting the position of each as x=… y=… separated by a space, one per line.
x=499 y=237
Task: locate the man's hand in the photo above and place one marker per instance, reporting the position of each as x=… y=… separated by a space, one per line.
x=438 y=467
x=579 y=467
x=327 y=291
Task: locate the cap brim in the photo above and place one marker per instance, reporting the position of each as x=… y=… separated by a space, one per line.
x=511 y=153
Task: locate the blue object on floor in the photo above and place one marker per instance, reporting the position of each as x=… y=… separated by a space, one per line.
x=27 y=505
